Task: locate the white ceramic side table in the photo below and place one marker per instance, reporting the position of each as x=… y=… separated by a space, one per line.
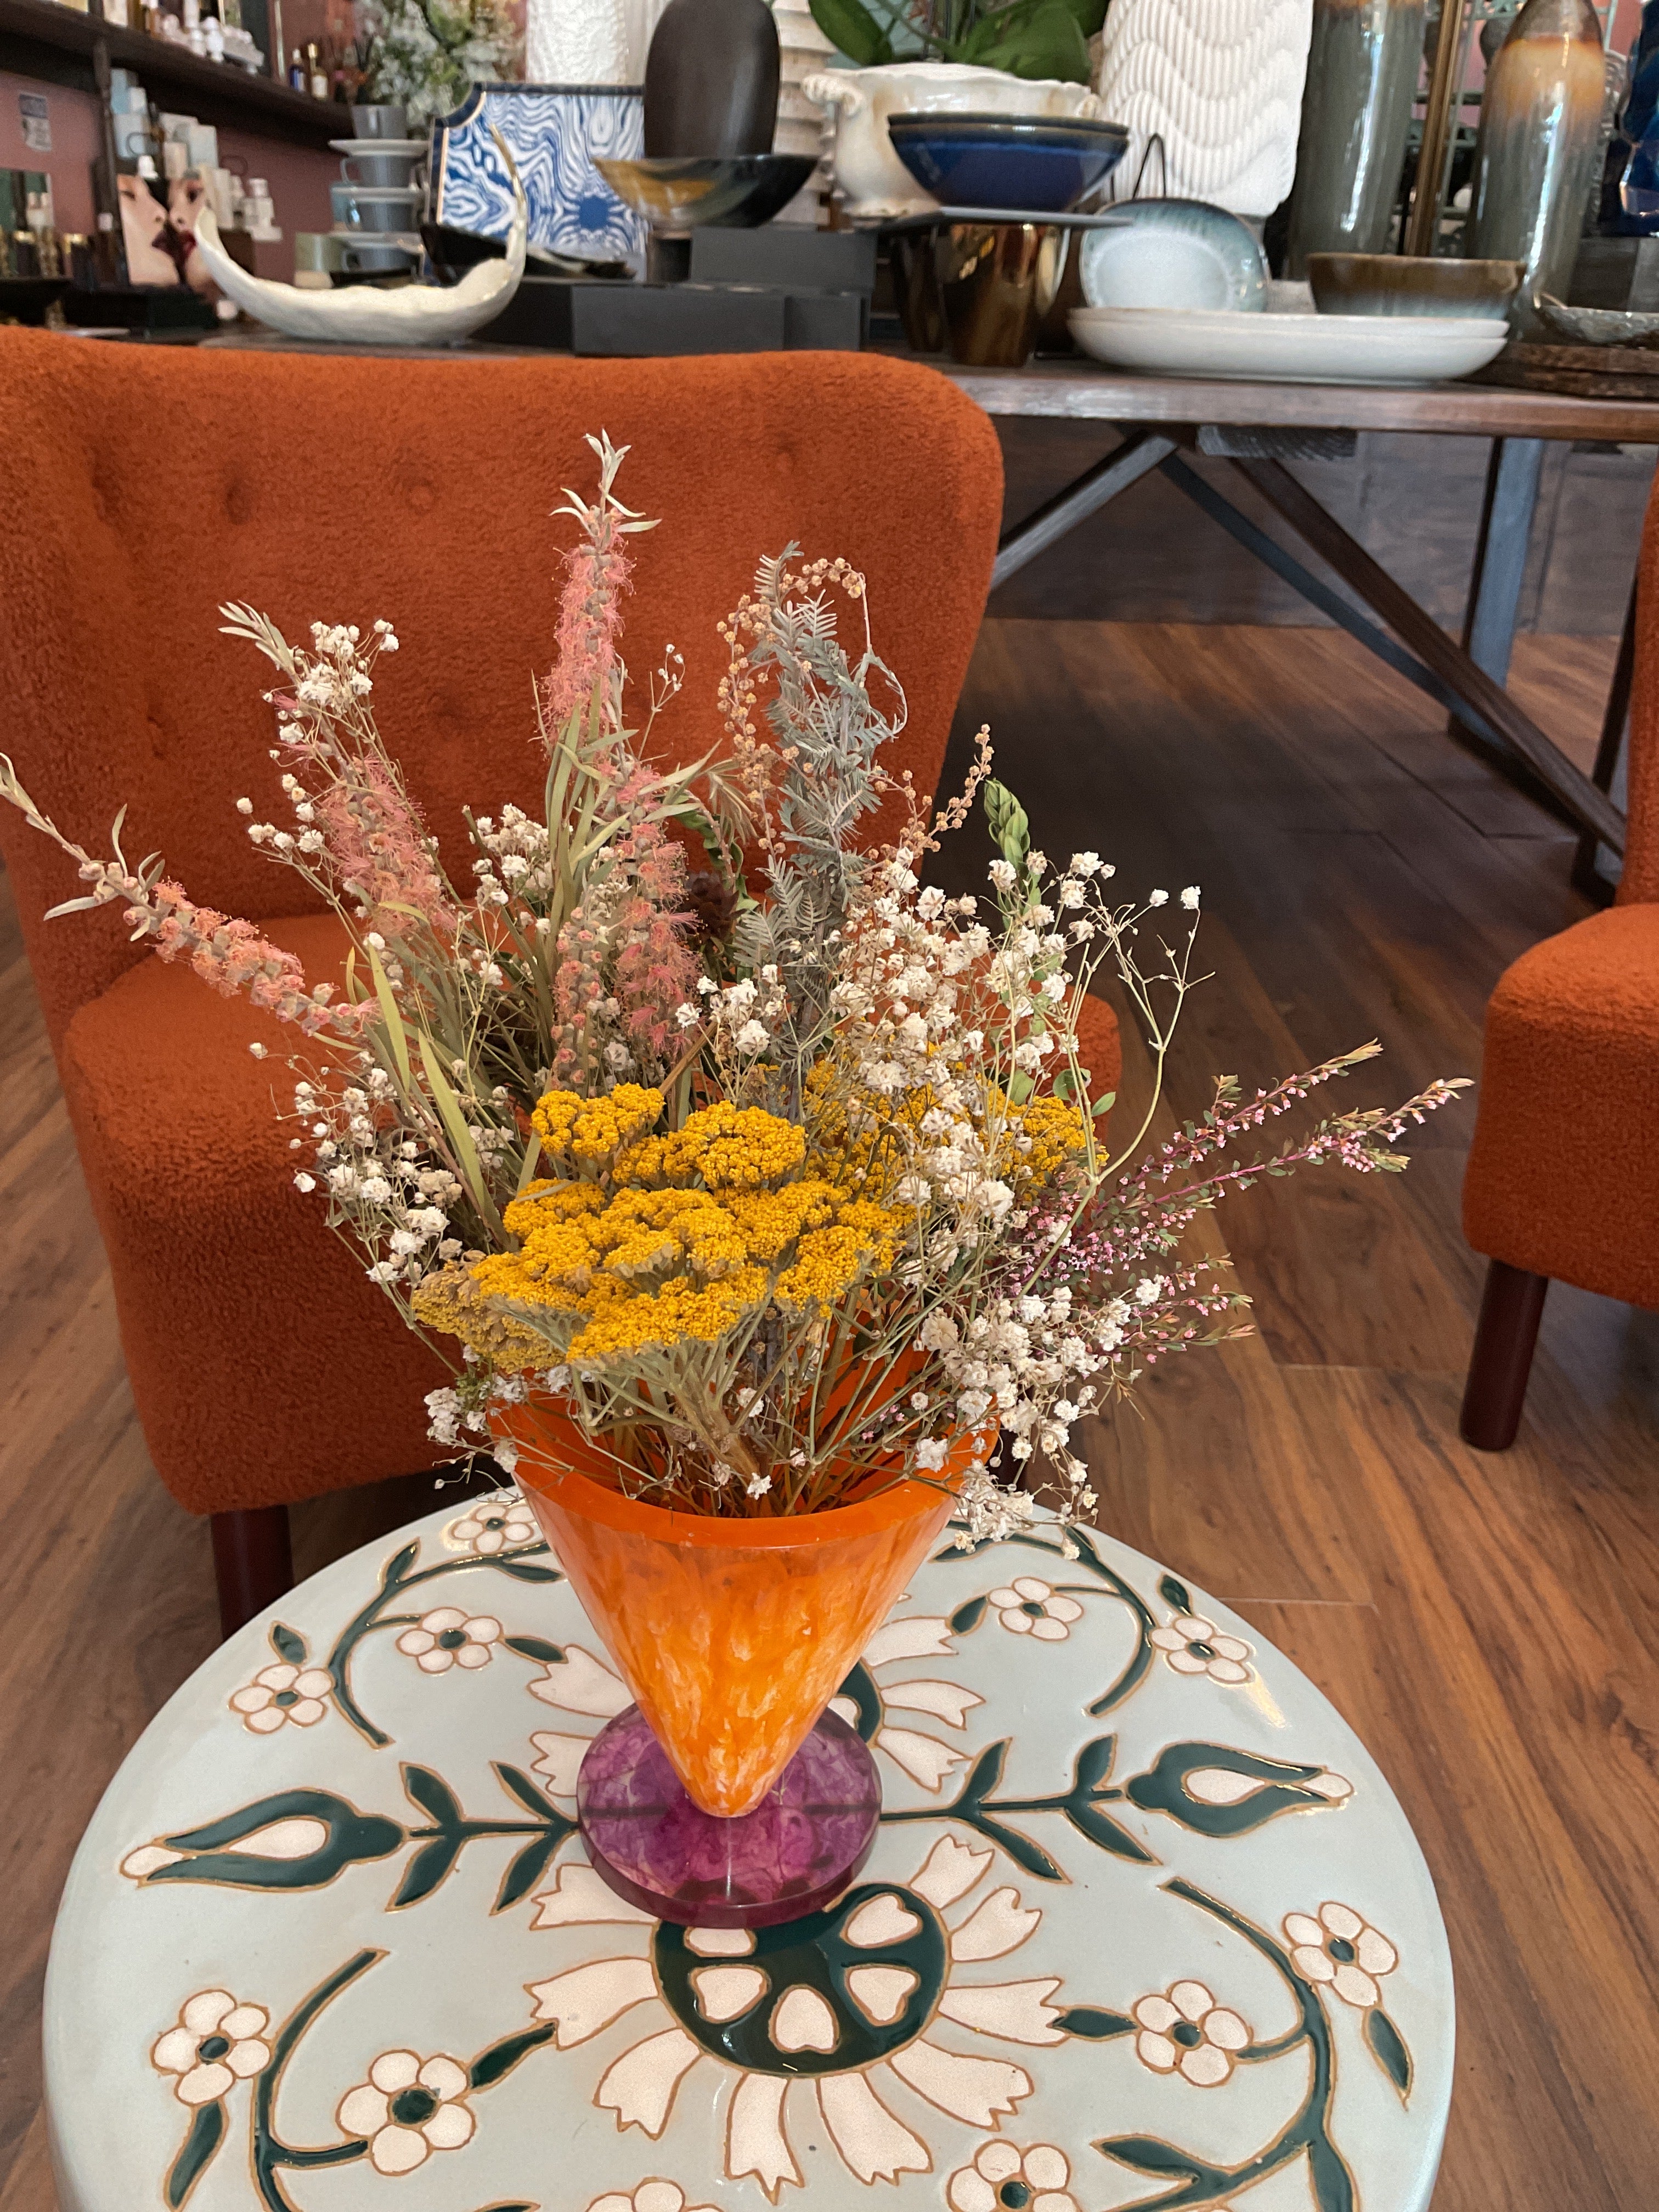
x=1144 y=1926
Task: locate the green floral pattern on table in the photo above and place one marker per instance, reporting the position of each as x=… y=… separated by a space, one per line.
x=1212 y=1896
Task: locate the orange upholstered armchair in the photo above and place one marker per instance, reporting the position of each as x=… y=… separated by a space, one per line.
x=1563 y=1179
x=139 y=491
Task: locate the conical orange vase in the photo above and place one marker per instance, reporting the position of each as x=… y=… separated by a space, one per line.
x=732 y=1635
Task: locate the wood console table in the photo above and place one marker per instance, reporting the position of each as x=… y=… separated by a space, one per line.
x=1255 y=428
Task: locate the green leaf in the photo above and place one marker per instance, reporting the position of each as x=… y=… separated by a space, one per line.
x=398 y=1566
x=526 y=1571
x=1333 y=2183
x=287 y=1645
x=1009 y=824
x=1093 y=2022
x=1100 y=1828
x=1104 y=1104
x=985 y=1773
x=1091 y=14
x=1148 y=2155
x=1174 y=1593
x=1387 y=2047
x=206 y=2133
x=513 y=1778
x=397 y=1036
x=426 y=1870
x=1094 y=1763
x=968 y=1616
x=848 y=25
x=434 y=1797
x=525 y=1871
x=536 y=1647
x=1023 y=1851
x=1049 y=44
x=467 y=1163
x=493 y=2065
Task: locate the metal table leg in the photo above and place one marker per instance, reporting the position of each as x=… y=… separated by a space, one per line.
x=1513 y=475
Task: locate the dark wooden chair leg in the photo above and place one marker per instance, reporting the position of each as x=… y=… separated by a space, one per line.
x=1511 y=1308
x=253 y=1563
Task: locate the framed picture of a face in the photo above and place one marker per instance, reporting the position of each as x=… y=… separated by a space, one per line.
x=146 y=233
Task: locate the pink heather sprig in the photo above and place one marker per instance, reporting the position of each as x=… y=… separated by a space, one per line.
x=377 y=841
x=232 y=955
x=597 y=573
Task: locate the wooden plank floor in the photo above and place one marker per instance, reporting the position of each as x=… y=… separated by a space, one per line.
x=1486 y=1623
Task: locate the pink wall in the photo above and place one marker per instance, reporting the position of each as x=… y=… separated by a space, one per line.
x=299 y=176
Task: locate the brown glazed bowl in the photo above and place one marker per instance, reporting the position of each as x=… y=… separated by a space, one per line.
x=1404 y=284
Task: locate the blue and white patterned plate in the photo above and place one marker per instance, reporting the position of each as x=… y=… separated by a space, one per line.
x=553 y=132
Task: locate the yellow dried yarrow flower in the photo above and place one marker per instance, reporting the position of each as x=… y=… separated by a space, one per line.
x=1040 y=1139
x=772 y=1220
x=829 y=1261
x=592 y=1131
x=542 y=1204
x=454 y=1301
x=680 y=1311
x=730 y=1147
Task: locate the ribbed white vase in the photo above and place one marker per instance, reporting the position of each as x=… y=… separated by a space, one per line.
x=1221 y=82
x=802 y=128
x=577 y=42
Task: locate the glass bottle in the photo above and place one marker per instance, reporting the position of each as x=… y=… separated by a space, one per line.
x=1535 y=159
x=1356 y=111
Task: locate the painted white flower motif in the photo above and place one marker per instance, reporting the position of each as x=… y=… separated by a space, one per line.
x=1193 y=1645
x=500 y=1523
x=649 y=2197
x=642 y=2083
x=1341 y=1950
x=216 y=2044
x=1187 y=2031
x=926 y=1758
x=449 y=1638
x=1031 y=1607
x=1004 y=2179
x=408 y=2108
x=281 y=1693
x=586 y=1685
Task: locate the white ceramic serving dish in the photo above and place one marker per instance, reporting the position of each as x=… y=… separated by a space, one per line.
x=1295 y=348
x=394 y=146
x=872 y=183
x=1173 y=254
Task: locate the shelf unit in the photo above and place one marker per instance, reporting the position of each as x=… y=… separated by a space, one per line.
x=60 y=46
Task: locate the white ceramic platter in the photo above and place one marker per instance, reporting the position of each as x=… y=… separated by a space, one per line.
x=1289 y=348
x=411 y=146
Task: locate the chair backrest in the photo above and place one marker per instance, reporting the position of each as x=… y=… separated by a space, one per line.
x=141 y=489
x=1640 y=880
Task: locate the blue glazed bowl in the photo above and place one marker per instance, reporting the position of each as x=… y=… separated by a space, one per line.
x=1036 y=163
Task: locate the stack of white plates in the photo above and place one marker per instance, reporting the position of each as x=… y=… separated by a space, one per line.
x=1289 y=348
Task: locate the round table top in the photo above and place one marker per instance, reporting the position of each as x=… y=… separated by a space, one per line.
x=1143 y=1924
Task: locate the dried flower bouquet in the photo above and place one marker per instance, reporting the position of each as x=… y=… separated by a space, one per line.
x=777 y=1168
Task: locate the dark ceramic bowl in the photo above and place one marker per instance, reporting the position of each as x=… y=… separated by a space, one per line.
x=1043 y=163
x=1403 y=284
x=681 y=192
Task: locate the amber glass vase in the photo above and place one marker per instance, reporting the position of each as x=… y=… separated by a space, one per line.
x=732 y=1635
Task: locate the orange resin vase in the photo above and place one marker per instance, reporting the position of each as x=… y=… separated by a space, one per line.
x=732 y=1635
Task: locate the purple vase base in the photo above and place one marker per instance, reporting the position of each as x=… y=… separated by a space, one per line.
x=792 y=1855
